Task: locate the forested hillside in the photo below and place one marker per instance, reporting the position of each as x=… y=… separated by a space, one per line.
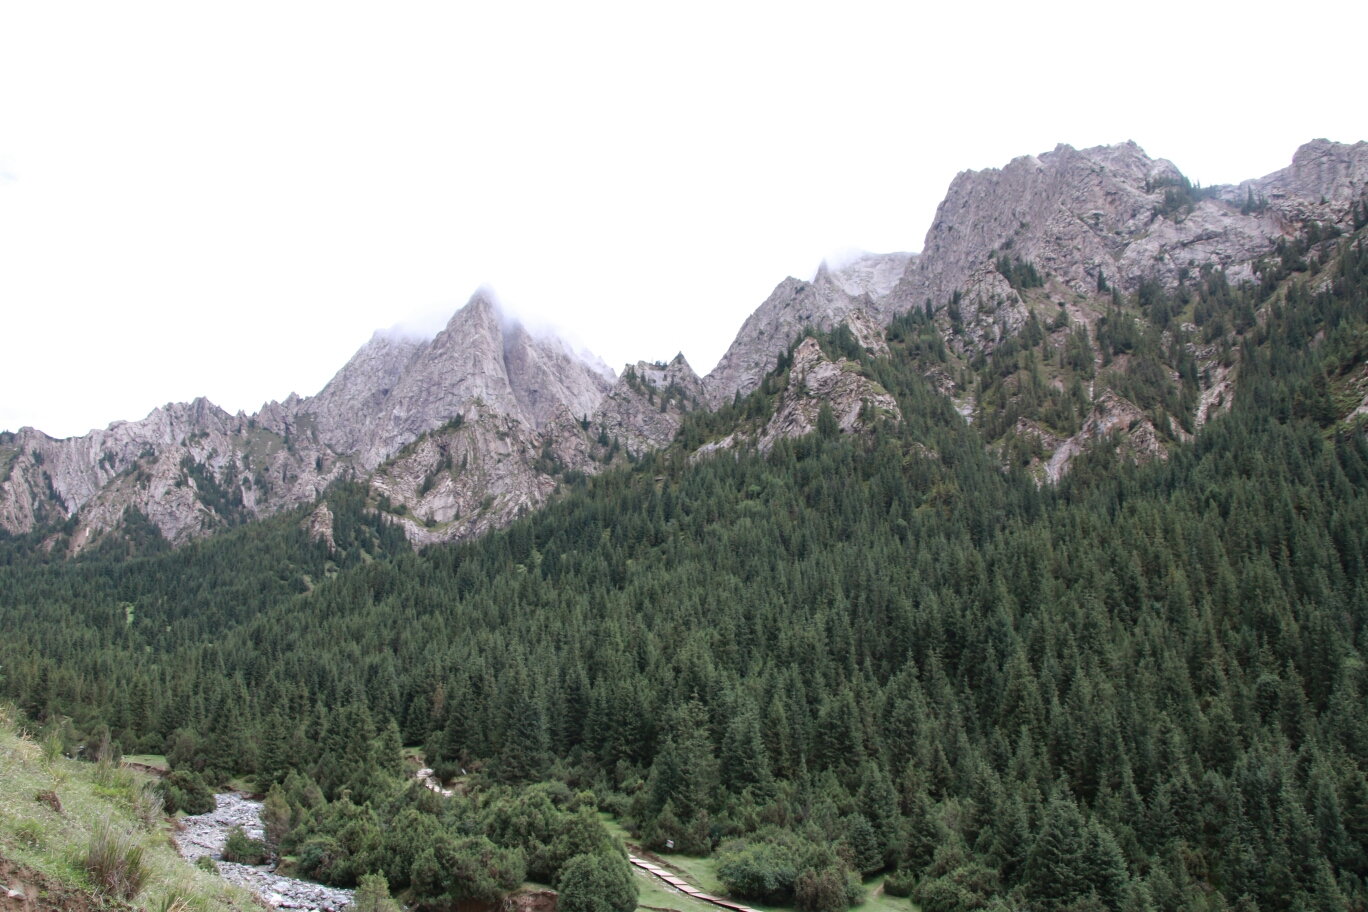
x=1141 y=688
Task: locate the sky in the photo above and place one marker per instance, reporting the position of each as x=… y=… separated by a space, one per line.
x=226 y=200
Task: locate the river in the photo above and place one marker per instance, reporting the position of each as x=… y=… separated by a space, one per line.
x=205 y=834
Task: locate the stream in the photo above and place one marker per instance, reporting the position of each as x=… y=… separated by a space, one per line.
x=205 y=834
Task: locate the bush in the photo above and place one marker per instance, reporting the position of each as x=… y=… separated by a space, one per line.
x=765 y=872
x=320 y=856
x=276 y=817
x=148 y=805
x=206 y=864
x=827 y=890
x=114 y=861
x=597 y=883
x=373 y=895
x=29 y=833
x=242 y=848
x=451 y=870
x=900 y=883
x=186 y=791
x=964 y=889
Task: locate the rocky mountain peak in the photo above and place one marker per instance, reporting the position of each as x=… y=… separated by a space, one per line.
x=816 y=382
x=647 y=404
x=828 y=300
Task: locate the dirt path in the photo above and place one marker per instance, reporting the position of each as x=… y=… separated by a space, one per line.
x=684 y=886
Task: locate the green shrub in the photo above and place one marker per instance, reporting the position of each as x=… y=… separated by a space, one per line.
x=829 y=889
x=186 y=791
x=176 y=899
x=148 y=804
x=900 y=883
x=320 y=856
x=373 y=895
x=206 y=864
x=451 y=870
x=114 y=861
x=596 y=883
x=762 y=871
x=242 y=848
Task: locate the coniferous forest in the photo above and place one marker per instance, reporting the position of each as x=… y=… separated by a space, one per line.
x=1142 y=688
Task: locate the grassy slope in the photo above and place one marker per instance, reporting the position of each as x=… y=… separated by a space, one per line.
x=34 y=835
x=702 y=873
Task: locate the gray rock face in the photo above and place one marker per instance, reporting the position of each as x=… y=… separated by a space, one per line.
x=458 y=483
x=547 y=379
x=193 y=468
x=164 y=466
x=359 y=390
x=1109 y=211
x=856 y=401
x=393 y=391
x=645 y=407
x=1074 y=214
x=1323 y=183
x=1115 y=418
x=824 y=303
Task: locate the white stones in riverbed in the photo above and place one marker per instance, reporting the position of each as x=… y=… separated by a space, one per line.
x=205 y=834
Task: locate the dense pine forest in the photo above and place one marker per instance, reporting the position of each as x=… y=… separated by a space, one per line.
x=1140 y=689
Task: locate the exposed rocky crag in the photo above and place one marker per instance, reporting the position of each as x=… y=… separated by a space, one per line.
x=830 y=299
x=815 y=381
x=645 y=407
x=393 y=391
x=1114 y=210
x=1113 y=419
x=193 y=468
x=1075 y=214
x=462 y=433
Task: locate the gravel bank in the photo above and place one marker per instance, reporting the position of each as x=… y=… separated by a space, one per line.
x=205 y=834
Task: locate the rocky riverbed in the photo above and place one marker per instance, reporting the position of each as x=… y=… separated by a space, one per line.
x=205 y=834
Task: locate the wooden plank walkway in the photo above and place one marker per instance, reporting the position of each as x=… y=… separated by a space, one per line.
x=684 y=886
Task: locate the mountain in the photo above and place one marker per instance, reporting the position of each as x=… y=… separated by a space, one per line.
x=1055 y=602
x=852 y=293
x=462 y=433
x=193 y=469
x=1060 y=241
x=1076 y=215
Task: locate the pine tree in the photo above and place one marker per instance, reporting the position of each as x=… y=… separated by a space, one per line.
x=1055 y=869
x=526 y=742
x=878 y=803
x=744 y=761
x=864 y=844
x=273 y=754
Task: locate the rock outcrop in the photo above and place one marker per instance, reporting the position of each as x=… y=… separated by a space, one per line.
x=815 y=382
x=831 y=298
x=1109 y=212
x=461 y=433
x=1112 y=419
x=190 y=468
x=390 y=393
x=193 y=468
x=646 y=406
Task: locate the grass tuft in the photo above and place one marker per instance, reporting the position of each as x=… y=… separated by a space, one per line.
x=114 y=861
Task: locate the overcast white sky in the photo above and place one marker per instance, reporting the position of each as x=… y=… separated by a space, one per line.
x=227 y=199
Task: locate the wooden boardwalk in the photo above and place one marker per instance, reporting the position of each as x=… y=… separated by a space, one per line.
x=684 y=886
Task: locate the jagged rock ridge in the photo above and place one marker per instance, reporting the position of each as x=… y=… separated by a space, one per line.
x=463 y=432
x=192 y=469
